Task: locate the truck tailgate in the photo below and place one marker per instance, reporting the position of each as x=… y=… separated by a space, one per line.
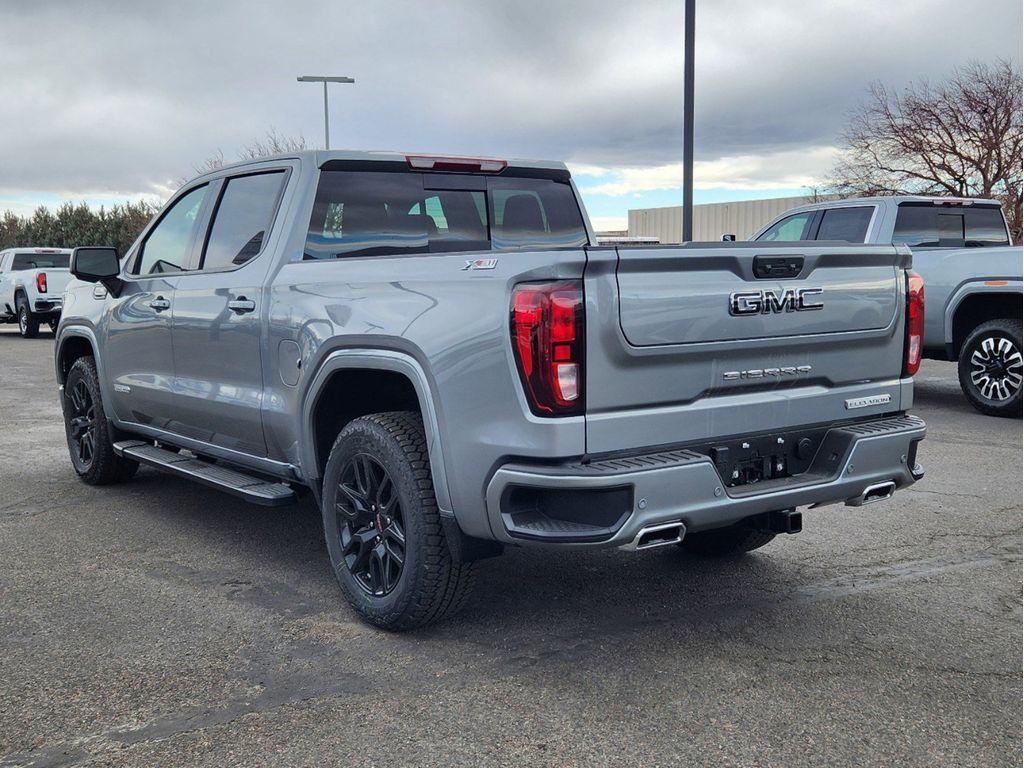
x=56 y=281
x=708 y=340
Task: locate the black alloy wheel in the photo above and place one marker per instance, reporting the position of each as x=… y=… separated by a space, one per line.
x=387 y=543
x=82 y=425
x=90 y=436
x=371 y=528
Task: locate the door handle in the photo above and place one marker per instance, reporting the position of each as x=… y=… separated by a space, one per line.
x=159 y=304
x=241 y=305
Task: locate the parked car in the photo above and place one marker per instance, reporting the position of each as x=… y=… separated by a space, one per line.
x=32 y=282
x=973 y=276
x=434 y=348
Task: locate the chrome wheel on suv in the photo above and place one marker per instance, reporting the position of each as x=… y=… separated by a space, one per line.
x=991 y=367
x=28 y=325
x=996 y=368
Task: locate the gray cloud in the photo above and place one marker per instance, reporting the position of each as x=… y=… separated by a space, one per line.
x=120 y=96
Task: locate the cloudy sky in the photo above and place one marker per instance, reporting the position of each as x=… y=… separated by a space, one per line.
x=103 y=100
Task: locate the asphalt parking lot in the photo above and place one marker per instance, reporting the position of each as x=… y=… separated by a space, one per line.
x=161 y=623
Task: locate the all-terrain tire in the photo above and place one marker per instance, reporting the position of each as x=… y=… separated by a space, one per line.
x=431 y=585
x=991 y=368
x=82 y=400
x=28 y=324
x=725 y=542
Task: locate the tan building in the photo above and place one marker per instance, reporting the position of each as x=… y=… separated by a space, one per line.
x=710 y=221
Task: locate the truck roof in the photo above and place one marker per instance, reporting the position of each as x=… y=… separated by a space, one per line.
x=320 y=156
x=895 y=200
x=36 y=250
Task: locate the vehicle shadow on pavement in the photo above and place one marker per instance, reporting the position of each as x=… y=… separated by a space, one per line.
x=559 y=599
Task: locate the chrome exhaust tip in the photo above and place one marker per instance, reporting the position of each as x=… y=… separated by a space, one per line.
x=873 y=493
x=653 y=536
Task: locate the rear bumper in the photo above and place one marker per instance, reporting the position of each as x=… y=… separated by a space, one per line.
x=672 y=485
x=47 y=306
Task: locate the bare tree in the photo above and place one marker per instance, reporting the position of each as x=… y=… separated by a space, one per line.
x=212 y=163
x=272 y=143
x=962 y=137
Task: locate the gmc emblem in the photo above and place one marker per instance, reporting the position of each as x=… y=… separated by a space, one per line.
x=768 y=302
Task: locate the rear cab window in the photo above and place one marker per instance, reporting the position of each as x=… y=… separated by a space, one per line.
x=984 y=226
x=39 y=261
x=397 y=211
x=926 y=225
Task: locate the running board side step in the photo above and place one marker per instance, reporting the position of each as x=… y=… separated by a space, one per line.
x=253 y=489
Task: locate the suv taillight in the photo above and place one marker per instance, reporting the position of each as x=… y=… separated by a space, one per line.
x=41 y=282
x=548 y=342
x=915 y=323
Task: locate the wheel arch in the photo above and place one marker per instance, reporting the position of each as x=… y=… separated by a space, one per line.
x=975 y=303
x=83 y=341
x=394 y=379
x=72 y=346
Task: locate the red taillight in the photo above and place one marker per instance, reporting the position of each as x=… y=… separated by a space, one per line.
x=548 y=341
x=915 y=323
x=455 y=164
x=41 y=282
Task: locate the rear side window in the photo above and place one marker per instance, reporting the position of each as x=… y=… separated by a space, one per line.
x=167 y=245
x=788 y=229
x=242 y=220
x=374 y=213
x=849 y=224
x=40 y=261
x=927 y=225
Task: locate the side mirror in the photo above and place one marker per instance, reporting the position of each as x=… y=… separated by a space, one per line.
x=97 y=265
x=728 y=238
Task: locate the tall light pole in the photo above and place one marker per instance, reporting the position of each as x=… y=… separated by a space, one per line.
x=688 y=48
x=325 y=80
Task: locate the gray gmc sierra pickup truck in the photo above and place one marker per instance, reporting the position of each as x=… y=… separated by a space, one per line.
x=962 y=249
x=435 y=349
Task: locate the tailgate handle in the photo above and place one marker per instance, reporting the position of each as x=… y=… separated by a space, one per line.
x=766 y=267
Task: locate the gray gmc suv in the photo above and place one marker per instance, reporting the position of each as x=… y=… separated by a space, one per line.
x=436 y=349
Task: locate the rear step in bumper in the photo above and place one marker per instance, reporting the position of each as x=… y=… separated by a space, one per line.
x=858 y=464
x=252 y=489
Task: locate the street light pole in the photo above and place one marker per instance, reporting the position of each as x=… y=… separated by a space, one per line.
x=688 y=46
x=327 y=120
x=325 y=79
